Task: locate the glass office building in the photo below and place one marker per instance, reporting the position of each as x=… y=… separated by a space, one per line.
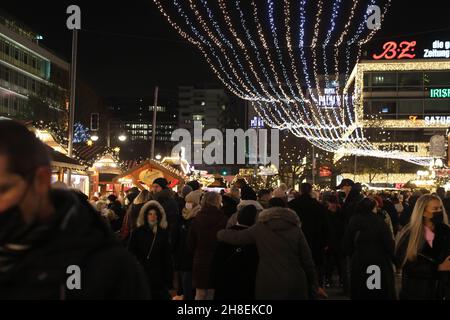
x=33 y=81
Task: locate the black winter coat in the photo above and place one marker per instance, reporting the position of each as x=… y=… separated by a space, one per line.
x=349 y=205
x=369 y=242
x=314 y=225
x=337 y=229
x=234 y=270
x=420 y=279
x=153 y=252
x=170 y=205
x=75 y=235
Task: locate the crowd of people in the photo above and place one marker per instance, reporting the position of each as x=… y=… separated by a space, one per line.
x=237 y=244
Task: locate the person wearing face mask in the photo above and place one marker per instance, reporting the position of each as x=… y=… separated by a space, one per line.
x=369 y=242
x=43 y=232
x=150 y=244
x=423 y=252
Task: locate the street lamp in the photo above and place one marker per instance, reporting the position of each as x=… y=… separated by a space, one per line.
x=158 y=157
x=122 y=138
x=94 y=137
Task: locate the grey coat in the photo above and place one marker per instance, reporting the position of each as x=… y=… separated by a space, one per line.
x=286 y=269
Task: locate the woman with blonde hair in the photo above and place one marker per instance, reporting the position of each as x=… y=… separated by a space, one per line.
x=423 y=252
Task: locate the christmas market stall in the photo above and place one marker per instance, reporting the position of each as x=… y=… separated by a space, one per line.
x=143 y=175
x=104 y=167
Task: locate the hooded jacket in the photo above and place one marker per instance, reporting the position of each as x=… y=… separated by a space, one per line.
x=286 y=269
x=151 y=248
x=243 y=203
x=76 y=235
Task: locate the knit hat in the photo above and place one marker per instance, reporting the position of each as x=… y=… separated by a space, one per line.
x=161 y=182
x=247 y=193
x=194 y=184
x=185 y=191
x=247 y=215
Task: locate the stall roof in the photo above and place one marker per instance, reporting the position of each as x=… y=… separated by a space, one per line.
x=63 y=161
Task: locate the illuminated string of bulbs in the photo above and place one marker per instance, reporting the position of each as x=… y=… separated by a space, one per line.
x=293 y=111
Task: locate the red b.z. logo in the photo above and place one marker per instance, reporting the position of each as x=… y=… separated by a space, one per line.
x=392 y=50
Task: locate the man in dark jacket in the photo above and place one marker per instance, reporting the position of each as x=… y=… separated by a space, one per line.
x=53 y=245
x=353 y=196
x=314 y=225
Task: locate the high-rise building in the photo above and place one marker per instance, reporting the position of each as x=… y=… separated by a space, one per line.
x=133 y=117
x=33 y=81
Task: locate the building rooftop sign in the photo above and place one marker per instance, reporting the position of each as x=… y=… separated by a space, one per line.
x=412 y=49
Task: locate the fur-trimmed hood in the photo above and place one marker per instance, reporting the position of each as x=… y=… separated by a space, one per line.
x=279 y=218
x=146 y=207
x=244 y=203
x=191 y=213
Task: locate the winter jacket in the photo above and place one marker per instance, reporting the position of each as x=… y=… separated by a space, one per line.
x=76 y=235
x=170 y=205
x=286 y=269
x=119 y=212
x=369 y=242
x=202 y=243
x=151 y=248
x=336 y=227
x=421 y=279
x=184 y=255
x=243 y=203
x=234 y=270
x=313 y=217
x=130 y=221
x=349 y=205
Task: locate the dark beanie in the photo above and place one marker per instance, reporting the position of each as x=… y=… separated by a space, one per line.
x=247 y=193
x=247 y=215
x=161 y=182
x=194 y=184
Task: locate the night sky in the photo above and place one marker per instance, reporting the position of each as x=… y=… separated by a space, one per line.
x=126 y=48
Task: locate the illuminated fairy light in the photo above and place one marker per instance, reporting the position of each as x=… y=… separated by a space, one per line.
x=183 y=34
x=213 y=51
x=329 y=129
x=211 y=35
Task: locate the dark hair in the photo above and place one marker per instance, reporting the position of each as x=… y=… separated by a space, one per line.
x=247 y=193
x=306 y=188
x=366 y=205
x=277 y=202
x=112 y=198
x=24 y=151
x=194 y=184
x=247 y=215
x=263 y=192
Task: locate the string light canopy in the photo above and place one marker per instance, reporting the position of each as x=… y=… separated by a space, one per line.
x=291 y=58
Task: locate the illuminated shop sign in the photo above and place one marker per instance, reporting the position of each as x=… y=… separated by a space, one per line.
x=440 y=49
x=441 y=120
x=330 y=98
x=403 y=50
x=439 y=93
x=419 y=149
x=257 y=122
x=410 y=148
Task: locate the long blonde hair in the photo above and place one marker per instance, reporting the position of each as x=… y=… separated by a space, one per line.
x=415 y=228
